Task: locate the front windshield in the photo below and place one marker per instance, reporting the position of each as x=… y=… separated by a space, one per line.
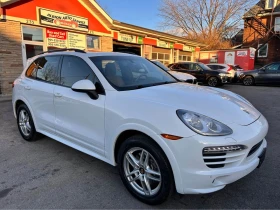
x=131 y=72
x=160 y=64
x=204 y=67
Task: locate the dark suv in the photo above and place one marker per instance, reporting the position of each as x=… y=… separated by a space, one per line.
x=202 y=72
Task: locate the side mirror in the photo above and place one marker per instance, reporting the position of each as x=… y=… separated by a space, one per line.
x=86 y=86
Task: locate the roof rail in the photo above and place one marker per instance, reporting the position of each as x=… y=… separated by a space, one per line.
x=62 y=50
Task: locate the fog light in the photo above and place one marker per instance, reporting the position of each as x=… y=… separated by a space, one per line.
x=231 y=148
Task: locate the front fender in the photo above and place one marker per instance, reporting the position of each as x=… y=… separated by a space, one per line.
x=110 y=148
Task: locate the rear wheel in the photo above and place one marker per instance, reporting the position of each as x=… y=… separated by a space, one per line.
x=248 y=80
x=25 y=124
x=144 y=170
x=213 y=81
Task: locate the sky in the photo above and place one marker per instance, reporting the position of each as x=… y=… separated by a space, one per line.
x=142 y=13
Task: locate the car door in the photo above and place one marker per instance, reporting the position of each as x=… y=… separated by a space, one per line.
x=79 y=119
x=41 y=76
x=270 y=74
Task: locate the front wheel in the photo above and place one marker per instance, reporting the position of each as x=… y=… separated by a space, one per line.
x=213 y=82
x=144 y=170
x=248 y=80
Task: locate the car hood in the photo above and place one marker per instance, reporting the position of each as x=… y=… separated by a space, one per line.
x=181 y=76
x=218 y=104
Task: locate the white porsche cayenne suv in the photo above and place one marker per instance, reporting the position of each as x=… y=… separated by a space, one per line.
x=162 y=134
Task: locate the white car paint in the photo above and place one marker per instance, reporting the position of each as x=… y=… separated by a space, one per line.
x=93 y=126
x=182 y=76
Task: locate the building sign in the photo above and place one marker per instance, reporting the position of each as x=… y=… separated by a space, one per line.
x=53 y=18
x=165 y=44
x=77 y=41
x=140 y=40
x=127 y=38
x=188 y=48
x=56 y=38
x=162 y=44
x=230 y=58
x=241 y=53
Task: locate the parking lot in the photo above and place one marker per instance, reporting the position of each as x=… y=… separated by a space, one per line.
x=48 y=174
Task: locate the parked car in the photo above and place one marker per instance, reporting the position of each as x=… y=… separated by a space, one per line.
x=184 y=77
x=269 y=74
x=202 y=72
x=162 y=134
x=223 y=67
x=238 y=69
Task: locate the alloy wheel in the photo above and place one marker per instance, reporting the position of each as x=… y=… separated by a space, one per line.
x=213 y=81
x=142 y=171
x=24 y=122
x=248 y=81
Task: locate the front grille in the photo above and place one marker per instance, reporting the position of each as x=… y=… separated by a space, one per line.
x=219 y=157
x=255 y=148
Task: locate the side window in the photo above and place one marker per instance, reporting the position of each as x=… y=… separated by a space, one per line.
x=197 y=67
x=44 y=69
x=185 y=66
x=74 y=69
x=273 y=67
x=47 y=69
x=32 y=70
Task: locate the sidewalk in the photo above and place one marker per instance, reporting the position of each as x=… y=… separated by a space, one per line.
x=5 y=98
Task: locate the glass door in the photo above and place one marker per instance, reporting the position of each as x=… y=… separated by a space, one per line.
x=32 y=43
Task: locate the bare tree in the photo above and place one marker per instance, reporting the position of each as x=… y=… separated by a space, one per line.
x=210 y=22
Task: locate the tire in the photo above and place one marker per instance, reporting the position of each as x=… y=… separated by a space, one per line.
x=248 y=81
x=26 y=124
x=213 y=82
x=156 y=171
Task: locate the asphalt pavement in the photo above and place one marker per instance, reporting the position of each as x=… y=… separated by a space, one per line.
x=49 y=175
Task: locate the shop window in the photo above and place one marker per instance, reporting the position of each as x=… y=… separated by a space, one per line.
x=93 y=42
x=154 y=56
x=32 y=34
x=263 y=49
x=189 y=58
x=161 y=56
x=166 y=56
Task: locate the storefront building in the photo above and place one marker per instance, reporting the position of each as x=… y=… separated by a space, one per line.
x=29 y=27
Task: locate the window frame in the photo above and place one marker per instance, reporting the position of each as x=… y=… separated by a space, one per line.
x=40 y=80
x=267 y=4
x=264 y=56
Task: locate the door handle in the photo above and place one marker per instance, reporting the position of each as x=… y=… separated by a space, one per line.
x=27 y=87
x=58 y=95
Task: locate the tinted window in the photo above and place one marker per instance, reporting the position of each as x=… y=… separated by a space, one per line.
x=204 y=67
x=75 y=69
x=31 y=71
x=45 y=69
x=273 y=67
x=131 y=72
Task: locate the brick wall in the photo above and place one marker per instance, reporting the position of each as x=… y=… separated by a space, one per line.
x=107 y=44
x=251 y=38
x=10 y=55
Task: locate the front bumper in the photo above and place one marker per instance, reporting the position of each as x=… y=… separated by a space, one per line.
x=196 y=175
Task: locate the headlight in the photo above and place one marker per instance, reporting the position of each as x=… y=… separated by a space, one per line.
x=244 y=99
x=222 y=74
x=203 y=125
